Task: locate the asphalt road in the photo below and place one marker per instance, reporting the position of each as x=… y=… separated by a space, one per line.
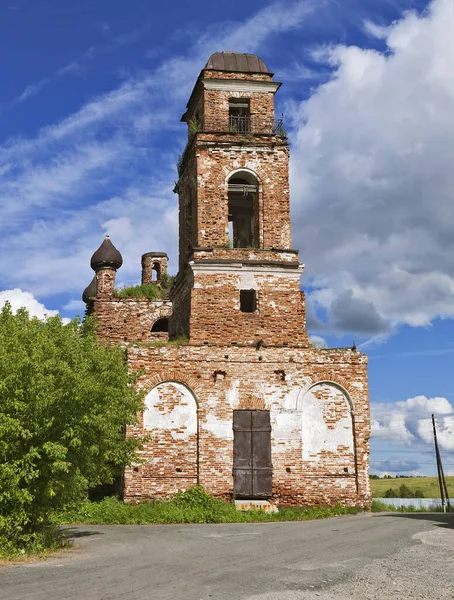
x=398 y=556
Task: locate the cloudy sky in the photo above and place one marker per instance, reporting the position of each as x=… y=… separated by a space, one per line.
x=90 y=133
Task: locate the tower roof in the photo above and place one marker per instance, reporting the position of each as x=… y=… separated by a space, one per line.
x=235 y=61
x=106 y=256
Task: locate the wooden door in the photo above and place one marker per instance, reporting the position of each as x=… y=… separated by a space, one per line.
x=252 y=470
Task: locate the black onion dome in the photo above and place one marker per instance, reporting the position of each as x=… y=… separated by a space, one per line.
x=106 y=256
x=235 y=61
x=90 y=290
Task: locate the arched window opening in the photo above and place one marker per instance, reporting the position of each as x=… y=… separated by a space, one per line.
x=156 y=272
x=243 y=211
x=161 y=325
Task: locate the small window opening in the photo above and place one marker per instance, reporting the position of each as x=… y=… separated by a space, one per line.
x=161 y=325
x=280 y=374
x=248 y=301
x=242 y=213
x=219 y=375
x=156 y=272
x=239 y=115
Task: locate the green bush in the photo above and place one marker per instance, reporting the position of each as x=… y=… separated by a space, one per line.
x=403 y=492
x=64 y=399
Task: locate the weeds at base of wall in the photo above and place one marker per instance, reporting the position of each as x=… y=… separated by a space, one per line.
x=192 y=506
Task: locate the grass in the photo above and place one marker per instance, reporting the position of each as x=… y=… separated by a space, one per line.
x=192 y=506
x=42 y=543
x=183 y=339
x=428 y=485
x=150 y=291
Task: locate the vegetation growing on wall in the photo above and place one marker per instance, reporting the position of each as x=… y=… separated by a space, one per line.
x=144 y=290
x=151 y=291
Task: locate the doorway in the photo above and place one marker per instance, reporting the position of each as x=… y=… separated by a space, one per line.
x=252 y=469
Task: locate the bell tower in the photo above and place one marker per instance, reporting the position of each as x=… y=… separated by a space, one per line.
x=239 y=278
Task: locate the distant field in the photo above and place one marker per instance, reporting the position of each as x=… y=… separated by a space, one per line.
x=428 y=486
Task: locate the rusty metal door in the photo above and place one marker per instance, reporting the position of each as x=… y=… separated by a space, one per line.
x=252 y=471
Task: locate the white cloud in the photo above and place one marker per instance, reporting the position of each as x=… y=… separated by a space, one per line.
x=445 y=431
x=421 y=404
x=378 y=31
x=409 y=421
x=20 y=299
x=392 y=426
x=75 y=306
x=372 y=176
x=317 y=341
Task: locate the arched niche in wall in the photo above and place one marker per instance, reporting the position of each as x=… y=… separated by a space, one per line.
x=327 y=430
x=170 y=416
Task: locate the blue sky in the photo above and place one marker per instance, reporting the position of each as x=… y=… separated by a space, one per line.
x=90 y=105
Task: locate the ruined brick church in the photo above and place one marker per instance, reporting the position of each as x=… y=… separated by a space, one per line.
x=237 y=399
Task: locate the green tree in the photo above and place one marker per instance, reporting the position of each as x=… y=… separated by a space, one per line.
x=64 y=400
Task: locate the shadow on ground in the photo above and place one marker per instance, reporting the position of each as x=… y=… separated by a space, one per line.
x=440 y=519
x=72 y=534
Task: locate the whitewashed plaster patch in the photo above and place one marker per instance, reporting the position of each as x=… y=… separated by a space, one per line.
x=286 y=427
x=233 y=396
x=218 y=427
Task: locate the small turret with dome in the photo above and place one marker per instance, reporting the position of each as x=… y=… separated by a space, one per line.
x=105 y=262
x=106 y=256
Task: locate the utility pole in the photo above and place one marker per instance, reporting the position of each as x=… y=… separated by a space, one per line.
x=441 y=476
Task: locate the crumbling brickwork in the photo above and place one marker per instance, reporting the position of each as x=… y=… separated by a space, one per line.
x=237 y=336
x=126 y=320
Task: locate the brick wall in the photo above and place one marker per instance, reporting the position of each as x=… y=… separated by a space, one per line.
x=215 y=306
x=214 y=165
x=303 y=397
x=128 y=319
